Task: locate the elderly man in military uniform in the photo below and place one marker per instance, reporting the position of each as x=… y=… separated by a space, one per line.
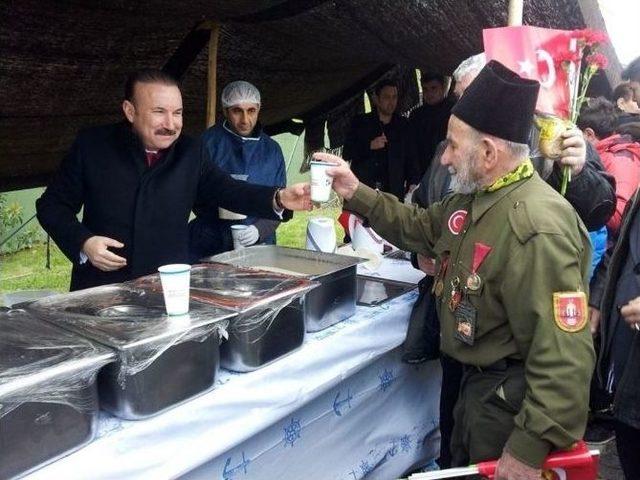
x=512 y=260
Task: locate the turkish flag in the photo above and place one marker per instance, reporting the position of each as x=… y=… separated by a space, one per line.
x=535 y=53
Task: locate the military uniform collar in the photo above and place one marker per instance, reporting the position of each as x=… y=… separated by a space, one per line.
x=483 y=201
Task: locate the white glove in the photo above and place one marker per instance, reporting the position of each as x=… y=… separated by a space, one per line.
x=248 y=236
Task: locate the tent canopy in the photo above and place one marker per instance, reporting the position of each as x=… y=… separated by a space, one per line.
x=63 y=64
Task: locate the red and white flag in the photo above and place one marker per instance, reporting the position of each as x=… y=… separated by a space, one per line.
x=538 y=54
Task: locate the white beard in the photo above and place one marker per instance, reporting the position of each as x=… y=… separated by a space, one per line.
x=463 y=181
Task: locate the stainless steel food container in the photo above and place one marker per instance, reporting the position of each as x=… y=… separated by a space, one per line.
x=270 y=306
x=48 y=392
x=333 y=301
x=161 y=360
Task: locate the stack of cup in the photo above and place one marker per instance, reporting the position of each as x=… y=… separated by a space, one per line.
x=175 y=279
x=320 y=181
x=235 y=233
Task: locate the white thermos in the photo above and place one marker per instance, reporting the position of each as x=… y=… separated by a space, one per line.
x=321 y=235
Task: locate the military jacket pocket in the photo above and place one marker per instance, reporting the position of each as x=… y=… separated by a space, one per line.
x=509 y=391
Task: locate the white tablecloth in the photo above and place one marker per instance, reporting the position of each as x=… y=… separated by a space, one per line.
x=343 y=406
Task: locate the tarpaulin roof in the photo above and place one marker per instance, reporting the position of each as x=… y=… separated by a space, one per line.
x=63 y=63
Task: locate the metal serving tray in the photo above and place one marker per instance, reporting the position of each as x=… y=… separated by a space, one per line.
x=270 y=321
x=374 y=291
x=161 y=360
x=48 y=393
x=333 y=301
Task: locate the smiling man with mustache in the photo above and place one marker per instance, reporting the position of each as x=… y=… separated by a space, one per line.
x=138 y=182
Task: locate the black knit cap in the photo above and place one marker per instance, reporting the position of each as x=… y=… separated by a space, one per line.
x=499 y=102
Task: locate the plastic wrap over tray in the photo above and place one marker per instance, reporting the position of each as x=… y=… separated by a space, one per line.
x=270 y=306
x=42 y=363
x=131 y=320
x=48 y=393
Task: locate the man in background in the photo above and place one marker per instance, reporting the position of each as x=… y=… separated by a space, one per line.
x=239 y=147
x=376 y=144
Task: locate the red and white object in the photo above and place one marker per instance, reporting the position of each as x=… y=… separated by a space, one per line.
x=579 y=463
x=534 y=53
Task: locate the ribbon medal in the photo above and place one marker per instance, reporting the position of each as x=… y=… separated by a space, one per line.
x=480 y=252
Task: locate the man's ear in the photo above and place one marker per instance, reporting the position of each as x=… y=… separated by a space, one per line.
x=590 y=135
x=488 y=153
x=374 y=100
x=129 y=110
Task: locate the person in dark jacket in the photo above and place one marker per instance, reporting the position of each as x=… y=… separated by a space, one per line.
x=376 y=144
x=427 y=125
x=137 y=182
x=240 y=147
x=615 y=301
x=590 y=192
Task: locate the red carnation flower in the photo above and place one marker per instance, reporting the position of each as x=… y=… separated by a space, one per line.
x=590 y=37
x=597 y=60
x=567 y=56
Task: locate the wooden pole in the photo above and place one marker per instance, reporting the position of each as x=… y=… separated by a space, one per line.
x=212 y=65
x=515 y=12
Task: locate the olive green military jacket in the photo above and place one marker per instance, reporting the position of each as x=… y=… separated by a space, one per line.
x=502 y=256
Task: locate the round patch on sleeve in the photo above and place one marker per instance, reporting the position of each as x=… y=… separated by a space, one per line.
x=456 y=221
x=570 y=310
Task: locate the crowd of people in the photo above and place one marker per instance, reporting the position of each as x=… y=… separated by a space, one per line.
x=520 y=282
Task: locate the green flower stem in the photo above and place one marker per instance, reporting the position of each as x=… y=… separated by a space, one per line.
x=584 y=84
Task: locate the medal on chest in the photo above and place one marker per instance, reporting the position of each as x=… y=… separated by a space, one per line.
x=480 y=252
x=456 y=294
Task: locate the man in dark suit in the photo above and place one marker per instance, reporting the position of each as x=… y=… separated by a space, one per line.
x=376 y=143
x=138 y=182
x=428 y=124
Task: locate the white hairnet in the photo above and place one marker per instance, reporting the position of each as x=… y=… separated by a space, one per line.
x=239 y=92
x=471 y=65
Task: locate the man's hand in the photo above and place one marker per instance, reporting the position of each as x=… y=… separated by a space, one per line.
x=631 y=313
x=345 y=183
x=96 y=248
x=248 y=236
x=427 y=265
x=511 y=469
x=378 y=142
x=296 y=197
x=594 y=320
x=574 y=150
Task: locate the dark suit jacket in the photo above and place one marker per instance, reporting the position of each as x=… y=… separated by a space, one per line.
x=357 y=150
x=145 y=208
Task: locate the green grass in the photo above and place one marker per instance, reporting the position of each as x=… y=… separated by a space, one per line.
x=26 y=270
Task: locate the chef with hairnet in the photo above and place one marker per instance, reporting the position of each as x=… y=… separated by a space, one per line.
x=240 y=147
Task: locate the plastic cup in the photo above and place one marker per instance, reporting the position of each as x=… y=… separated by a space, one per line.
x=320 y=181
x=175 y=279
x=235 y=232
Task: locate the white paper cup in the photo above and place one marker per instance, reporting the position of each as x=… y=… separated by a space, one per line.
x=235 y=231
x=175 y=280
x=320 y=181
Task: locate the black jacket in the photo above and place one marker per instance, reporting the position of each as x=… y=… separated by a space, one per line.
x=357 y=150
x=626 y=407
x=145 y=208
x=592 y=192
x=427 y=128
